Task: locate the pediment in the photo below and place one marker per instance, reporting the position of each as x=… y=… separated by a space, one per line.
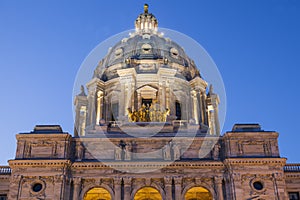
x=147 y=88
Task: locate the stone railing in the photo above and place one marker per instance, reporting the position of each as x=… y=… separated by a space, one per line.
x=292 y=167
x=5 y=170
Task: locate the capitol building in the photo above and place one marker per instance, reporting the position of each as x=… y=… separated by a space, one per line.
x=147 y=127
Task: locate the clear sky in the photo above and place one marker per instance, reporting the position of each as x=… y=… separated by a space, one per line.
x=255 y=44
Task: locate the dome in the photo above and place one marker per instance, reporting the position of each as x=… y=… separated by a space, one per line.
x=146 y=47
x=147 y=79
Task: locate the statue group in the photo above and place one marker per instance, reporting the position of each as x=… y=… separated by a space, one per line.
x=148 y=114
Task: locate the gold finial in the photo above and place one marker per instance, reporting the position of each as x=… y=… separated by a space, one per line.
x=146 y=6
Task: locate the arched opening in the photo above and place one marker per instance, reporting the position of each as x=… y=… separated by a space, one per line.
x=198 y=193
x=178 y=110
x=147 y=193
x=97 y=193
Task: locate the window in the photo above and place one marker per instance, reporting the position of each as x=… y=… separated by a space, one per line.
x=258 y=185
x=3 y=197
x=294 y=195
x=178 y=110
x=114 y=111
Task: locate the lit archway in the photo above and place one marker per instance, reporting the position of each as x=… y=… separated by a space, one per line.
x=147 y=193
x=198 y=193
x=97 y=193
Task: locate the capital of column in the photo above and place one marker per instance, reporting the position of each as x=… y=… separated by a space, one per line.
x=117 y=180
x=168 y=180
x=127 y=180
x=218 y=179
x=76 y=180
x=177 y=180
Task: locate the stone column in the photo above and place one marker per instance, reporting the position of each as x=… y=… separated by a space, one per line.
x=77 y=186
x=139 y=100
x=58 y=186
x=168 y=187
x=15 y=185
x=195 y=107
x=91 y=108
x=132 y=96
x=127 y=188
x=99 y=106
x=117 y=186
x=218 y=186
x=203 y=105
x=178 y=181
x=107 y=110
x=167 y=96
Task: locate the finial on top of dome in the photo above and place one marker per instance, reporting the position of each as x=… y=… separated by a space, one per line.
x=146 y=22
x=146 y=6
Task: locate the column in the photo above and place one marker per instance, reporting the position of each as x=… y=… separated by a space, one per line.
x=218 y=186
x=167 y=96
x=200 y=106
x=59 y=186
x=203 y=112
x=127 y=188
x=15 y=185
x=139 y=100
x=168 y=187
x=107 y=110
x=132 y=96
x=117 y=186
x=91 y=108
x=195 y=107
x=99 y=106
x=77 y=186
x=177 y=181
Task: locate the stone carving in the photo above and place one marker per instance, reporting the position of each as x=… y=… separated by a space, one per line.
x=128 y=152
x=118 y=153
x=167 y=152
x=176 y=152
x=15 y=179
x=216 y=152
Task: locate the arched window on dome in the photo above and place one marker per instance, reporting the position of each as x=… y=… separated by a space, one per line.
x=198 y=193
x=178 y=110
x=98 y=193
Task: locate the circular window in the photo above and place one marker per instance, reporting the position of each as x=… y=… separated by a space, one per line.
x=174 y=52
x=37 y=187
x=119 y=52
x=258 y=185
x=146 y=48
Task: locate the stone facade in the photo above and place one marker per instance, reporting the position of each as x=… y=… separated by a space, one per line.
x=65 y=169
x=148 y=128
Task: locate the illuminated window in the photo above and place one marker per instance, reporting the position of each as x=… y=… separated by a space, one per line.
x=198 y=193
x=148 y=193
x=97 y=193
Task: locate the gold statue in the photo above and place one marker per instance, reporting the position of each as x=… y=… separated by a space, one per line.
x=148 y=114
x=146 y=6
x=132 y=116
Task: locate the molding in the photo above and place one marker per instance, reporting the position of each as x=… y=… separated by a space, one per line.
x=255 y=161
x=147 y=165
x=39 y=163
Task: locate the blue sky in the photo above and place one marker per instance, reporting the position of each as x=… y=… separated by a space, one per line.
x=255 y=45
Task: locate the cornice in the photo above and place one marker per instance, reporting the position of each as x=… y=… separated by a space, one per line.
x=148 y=165
x=255 y=161
x=39 y=163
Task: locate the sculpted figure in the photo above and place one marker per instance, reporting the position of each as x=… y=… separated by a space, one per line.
x=167 y=152
x=176 y=152
x=128 y=152
x=118 y=153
